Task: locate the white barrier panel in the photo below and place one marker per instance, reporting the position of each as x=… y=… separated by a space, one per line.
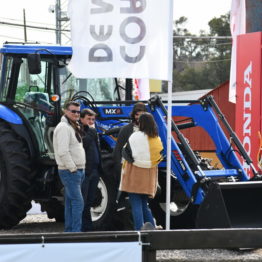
x=69 y=252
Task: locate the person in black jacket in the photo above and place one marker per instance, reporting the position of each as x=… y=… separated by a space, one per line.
x=125 y=132
x=93 y=167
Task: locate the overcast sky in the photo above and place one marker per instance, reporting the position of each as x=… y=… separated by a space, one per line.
x=198 y=12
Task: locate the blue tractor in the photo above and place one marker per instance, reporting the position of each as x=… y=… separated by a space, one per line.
x=35 y=84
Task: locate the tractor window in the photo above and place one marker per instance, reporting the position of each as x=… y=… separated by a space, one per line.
x=32 y=99
x=94 y=89
x=29 y=84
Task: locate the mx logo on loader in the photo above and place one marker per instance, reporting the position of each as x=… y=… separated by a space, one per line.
x=113 y=111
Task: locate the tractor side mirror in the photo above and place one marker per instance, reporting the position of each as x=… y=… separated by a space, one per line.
x=34 y=64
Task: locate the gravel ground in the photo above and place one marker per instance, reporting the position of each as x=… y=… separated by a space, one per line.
x=32 y=223
x=208 y=255
x=41 y=224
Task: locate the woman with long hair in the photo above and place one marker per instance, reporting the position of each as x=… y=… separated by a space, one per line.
x=139 y=177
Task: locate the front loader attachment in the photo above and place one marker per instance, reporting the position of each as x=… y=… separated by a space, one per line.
x=231 y=205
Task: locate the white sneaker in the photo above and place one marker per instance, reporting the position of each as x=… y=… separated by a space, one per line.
x=173 y=207
x=159 y=227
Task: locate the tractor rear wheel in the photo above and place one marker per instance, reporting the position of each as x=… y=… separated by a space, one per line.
x=15 y=178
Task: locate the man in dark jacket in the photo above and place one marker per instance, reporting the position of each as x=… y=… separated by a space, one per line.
x=125 y=132
x=93 y=165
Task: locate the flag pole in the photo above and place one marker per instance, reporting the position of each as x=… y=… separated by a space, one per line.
x=168 y=165
x=169 y=119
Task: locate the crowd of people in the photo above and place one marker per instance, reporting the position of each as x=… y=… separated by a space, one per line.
x=78 y=156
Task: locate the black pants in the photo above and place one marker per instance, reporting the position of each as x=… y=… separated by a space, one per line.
x=89 y=188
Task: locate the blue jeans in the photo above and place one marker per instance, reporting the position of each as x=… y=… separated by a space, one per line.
x=74 y=203
x=89 y=188
x=140 y=210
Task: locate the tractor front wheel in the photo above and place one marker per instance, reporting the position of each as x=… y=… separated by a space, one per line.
x=106 y=213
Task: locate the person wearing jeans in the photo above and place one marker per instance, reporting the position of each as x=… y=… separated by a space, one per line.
x=140 y=210
x=139 y=177
x=70 y=159
x=73 y=198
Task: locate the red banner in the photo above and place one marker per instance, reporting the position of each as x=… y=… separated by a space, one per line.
x=248 y=98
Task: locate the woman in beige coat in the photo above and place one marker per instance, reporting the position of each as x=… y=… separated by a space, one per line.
x=142 y=154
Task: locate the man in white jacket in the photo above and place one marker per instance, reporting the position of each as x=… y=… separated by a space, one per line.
x=70 y=158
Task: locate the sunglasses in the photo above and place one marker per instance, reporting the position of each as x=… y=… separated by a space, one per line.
x=74 y=111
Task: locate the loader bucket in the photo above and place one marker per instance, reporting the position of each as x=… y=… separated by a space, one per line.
x=231 y=205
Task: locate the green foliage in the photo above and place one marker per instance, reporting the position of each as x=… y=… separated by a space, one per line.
x=201 y=62
x=22 y=89
x=20 y=93
x=220 y=26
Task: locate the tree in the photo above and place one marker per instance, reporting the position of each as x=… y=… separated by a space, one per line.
x=222 y=51
x=201 y=63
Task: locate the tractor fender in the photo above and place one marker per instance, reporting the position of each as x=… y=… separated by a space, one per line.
x=22 y=131
x=17 y=124
x=10 y=116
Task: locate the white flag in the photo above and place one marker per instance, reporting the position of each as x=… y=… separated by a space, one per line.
x=126 y=39
x=237 y=27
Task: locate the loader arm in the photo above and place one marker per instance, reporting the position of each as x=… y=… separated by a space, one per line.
x=191 y=177
x=207 y=119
